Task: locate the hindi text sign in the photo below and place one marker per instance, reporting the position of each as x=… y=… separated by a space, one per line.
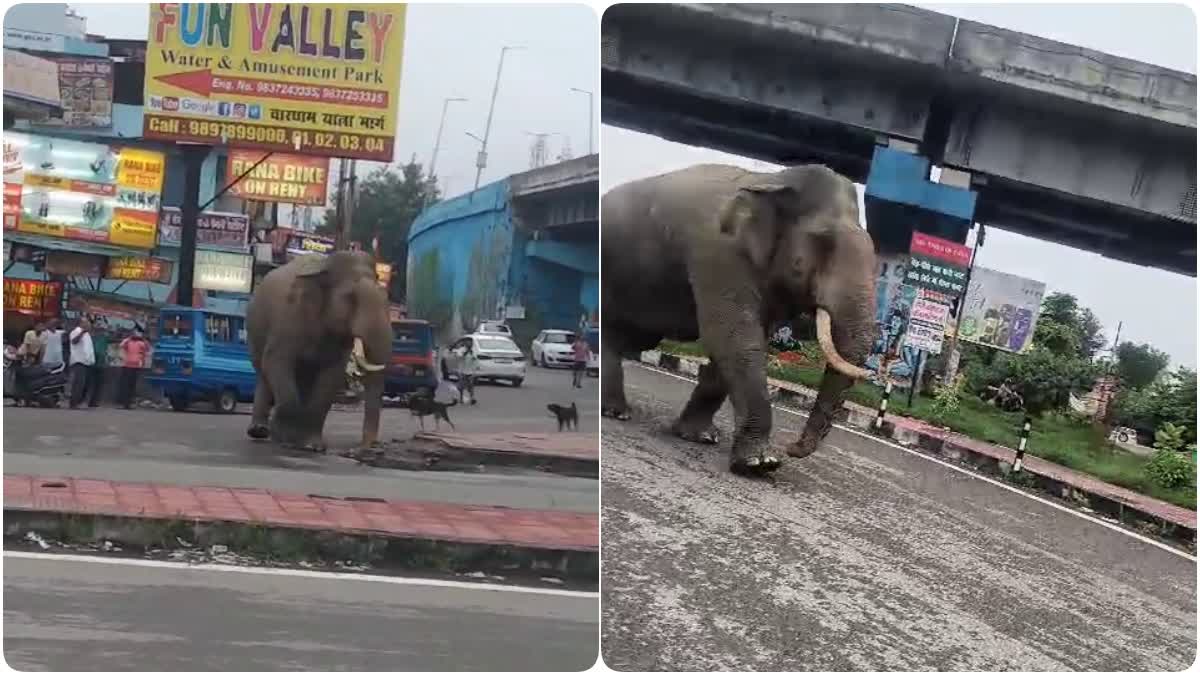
x=938 y=265
x=129 y=268
x=316 y=79
x=214 y=229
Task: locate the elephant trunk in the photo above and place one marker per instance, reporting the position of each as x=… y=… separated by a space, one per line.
x=845 y=341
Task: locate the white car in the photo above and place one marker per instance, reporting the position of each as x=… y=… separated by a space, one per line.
x=493 y=327
x=486 y=356
x=553 y=348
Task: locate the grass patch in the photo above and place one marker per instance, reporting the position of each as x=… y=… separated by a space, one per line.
x=1055 y=437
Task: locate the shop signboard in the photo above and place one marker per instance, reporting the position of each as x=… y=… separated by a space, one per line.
x=938 y=265
x=83 y=191
x=86 y=89
x=71 y=264
x=1000 y=310
x=214 y=229
x=306 y=243
x=927 y=322
x=224 y=271
x=32 y=296
x=37 y=41
x=280 y=177
x=132 y=268
x=316 y=79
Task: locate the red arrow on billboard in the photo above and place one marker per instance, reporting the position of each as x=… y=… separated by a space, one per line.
x=195 y=81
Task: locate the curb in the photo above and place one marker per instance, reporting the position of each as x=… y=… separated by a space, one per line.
x=579 y=459
x=954 y=448
x=401 y=536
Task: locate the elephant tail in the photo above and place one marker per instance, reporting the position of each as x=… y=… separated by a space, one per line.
x=825 y=337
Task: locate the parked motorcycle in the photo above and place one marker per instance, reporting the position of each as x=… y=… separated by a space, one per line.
x=36 y=384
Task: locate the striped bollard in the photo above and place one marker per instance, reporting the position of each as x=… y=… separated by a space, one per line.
x=887 y=393
x=1023 y=443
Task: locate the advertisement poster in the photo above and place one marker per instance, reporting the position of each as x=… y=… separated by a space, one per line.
x=295 y=243
x=222 y=271
x=284 y=178
x=33 y=297
x=130 y=268
x=304 y=78
x=938 y=265
x=86 y=89
x=214 y=229
x=927 y=322
x=1001 y=310
x=893 y=304
x=82 y=191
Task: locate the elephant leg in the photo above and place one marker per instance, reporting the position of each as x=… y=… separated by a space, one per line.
x=820 y=420
x=261 y=418
x=285 y=390
x=612 y=380
x=320 y=392
x=695 y=423
x=732 y=331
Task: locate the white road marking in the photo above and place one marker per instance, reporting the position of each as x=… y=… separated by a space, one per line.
x=312 y=574
x=1115 y=528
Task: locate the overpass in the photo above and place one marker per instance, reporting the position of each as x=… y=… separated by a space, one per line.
x=1059 y=142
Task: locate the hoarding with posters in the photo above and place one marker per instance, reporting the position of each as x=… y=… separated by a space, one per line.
x=306 y=78
x=1000 y=310
x=86 y=89
x=214 y=229
x=84 y=191
x=279 y=177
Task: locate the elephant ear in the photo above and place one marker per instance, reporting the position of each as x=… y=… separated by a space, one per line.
x=752 y=217
x=311 y=265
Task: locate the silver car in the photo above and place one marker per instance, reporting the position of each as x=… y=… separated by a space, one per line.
x=487 y=357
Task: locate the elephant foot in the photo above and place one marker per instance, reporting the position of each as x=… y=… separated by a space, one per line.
x=617 y=412
x=696 y=432
x=316 y=444
x=258 y=431
x=802 y=448
x=754 y=458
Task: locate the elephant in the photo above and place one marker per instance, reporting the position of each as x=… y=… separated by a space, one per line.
x=721 y=254
x=306 y=321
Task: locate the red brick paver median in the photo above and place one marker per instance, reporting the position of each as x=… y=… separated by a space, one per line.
x=557 y=530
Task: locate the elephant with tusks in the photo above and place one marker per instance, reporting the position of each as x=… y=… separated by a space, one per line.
x=310 y=324
x=721 y=254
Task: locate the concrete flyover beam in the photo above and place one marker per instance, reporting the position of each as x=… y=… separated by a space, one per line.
x=1154 y=173
x=572 y=172
x=1085 y=79
x=764 y=75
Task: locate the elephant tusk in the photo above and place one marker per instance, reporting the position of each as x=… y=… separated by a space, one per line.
x=360 y=358
x=825 y=337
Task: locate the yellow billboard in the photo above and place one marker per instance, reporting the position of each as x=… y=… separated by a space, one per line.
x=302 y=78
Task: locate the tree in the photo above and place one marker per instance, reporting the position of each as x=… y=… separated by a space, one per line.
x=1170 y=399
x=1139 y=365
x=1066 y=328
x=388 y=202
x=1092 y=334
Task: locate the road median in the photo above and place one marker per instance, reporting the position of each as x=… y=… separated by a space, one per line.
x=291 y=527
x=567 y=454
x=1131 y=508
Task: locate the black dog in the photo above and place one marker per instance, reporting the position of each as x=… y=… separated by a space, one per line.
x=421 y=406
x=566 y=416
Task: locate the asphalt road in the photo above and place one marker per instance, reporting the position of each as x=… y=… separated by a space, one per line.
x=203 y=448
x=79 y=616
x=862 y=557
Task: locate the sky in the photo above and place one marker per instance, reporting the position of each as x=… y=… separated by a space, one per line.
x=453 y=51
x=1154 y=306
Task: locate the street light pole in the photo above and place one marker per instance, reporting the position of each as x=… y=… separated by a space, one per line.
x=591 y=117
x=438 y=143
x=481 y=160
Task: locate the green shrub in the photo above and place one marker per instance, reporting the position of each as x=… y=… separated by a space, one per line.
x=945 y=403
x=1169 y=437
x=1171 y=469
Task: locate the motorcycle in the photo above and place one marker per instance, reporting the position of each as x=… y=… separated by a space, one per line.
x=36 y=384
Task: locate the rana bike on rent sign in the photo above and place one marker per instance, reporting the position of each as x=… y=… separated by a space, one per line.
x=313 y=79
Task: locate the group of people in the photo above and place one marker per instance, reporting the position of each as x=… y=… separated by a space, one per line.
x=86 y=354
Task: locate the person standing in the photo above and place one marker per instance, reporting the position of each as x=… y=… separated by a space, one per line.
x=52 y=345
x=30 y=350
x=83 y=357
x=100 y=348
x=580 y=352
x=134 y=349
